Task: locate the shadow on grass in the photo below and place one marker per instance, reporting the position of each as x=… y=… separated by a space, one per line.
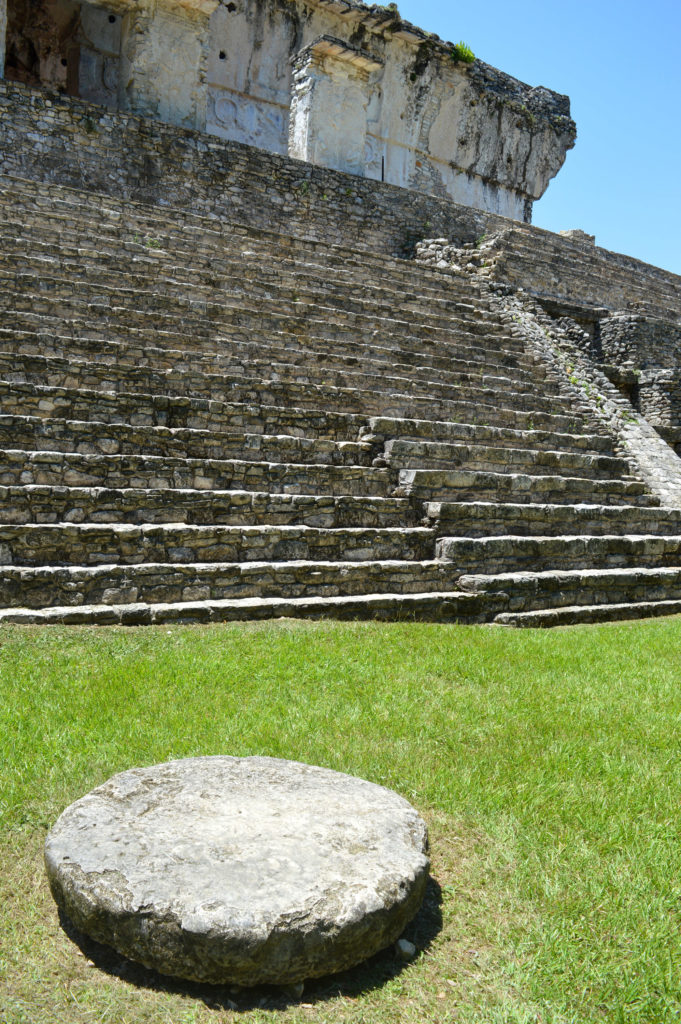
x=370 y=974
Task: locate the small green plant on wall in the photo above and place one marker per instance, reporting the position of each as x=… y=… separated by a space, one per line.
x=462 y=53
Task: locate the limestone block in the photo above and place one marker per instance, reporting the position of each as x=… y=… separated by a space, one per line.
x=243 y=870
x=577 y=235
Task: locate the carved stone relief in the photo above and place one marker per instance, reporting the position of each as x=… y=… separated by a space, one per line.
x=245 y=119
x=164 y=53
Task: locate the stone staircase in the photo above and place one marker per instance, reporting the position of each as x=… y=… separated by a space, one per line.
x=564 y=271
x=202 y=421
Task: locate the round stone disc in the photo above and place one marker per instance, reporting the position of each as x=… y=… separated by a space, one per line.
x=243 y=870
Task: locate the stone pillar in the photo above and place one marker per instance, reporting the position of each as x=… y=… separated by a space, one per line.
x=330 y=95
x=3 y=34
x=163 y=60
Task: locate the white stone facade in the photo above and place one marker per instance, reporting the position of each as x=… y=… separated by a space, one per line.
x=333 y=82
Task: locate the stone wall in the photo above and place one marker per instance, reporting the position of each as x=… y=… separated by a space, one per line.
x=568 y=275
x=648 y=350
x=76 y=143
x=572 y=270
x=642 y=342
x=659 y=398
x=416 y=117
x=334 y=82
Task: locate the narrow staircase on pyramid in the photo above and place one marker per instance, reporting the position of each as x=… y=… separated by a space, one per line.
x=204 y=421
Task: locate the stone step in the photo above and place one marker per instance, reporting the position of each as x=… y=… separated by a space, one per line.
x=150 y=471
x=273 y=274
x=407 y=454
x=132 y=228
x=155 y=582
x=405 y=287
x=483 y=405
x=125 y=226
x=195 y=315
x=182 y=380
x=494 y=555
x=209 y=350
x=591 y=614
x=534 y=591
x=87 y=544
x=62 y=504
x=244 y=326
x=279 y=357
x=487 y=518
x=290 y=281
x=428 y=607
x=33 y=433
x=25 y=290
x=460 y=485
x=175 y=412
x=383 y=428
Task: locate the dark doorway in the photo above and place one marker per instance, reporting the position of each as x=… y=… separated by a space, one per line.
x=42 y=47
x=67 y=45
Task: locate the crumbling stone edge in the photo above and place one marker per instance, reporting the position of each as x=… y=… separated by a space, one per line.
x=562 y=345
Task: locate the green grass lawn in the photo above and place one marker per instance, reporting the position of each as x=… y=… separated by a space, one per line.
x=547 y=765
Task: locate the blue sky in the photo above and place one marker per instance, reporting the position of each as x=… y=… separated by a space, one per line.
x=620 y=64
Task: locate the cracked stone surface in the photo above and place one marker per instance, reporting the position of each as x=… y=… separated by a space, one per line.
x=246 y=870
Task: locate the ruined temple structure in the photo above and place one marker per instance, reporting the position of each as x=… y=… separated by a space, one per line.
x=333 y=82
x=277 y=338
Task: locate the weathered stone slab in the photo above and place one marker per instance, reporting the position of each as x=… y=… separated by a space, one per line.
x=246 y=870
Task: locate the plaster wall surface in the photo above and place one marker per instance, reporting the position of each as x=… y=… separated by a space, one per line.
x=99 y=58
x=163 y=60
x=407 y=113
x=432 y=125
